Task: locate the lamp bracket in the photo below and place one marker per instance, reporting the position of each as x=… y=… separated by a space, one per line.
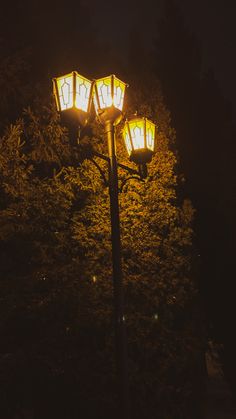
x=101 y=156
x=139 y=175
x=128 y=169
x=102 y=174
x=126 y=180
x=122 y=166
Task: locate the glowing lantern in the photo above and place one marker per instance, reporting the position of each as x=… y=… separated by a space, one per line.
x=139 y=137
x=109 y=98
x=73 y=91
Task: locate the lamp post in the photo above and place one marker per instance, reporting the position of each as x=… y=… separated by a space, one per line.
x=108 y=99
x=73 y=94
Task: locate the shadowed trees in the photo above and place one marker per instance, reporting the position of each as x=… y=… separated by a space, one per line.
x=56 y=316
x=203 y=121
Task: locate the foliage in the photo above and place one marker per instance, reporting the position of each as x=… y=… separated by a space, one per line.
x=160 y=292
x=56 y=286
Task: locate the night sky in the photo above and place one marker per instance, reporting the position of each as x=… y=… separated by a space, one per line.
x=212 y=22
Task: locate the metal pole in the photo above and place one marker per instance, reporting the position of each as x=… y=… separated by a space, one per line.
x=120 y=332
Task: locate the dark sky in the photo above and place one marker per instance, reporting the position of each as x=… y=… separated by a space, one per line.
x=212 y=22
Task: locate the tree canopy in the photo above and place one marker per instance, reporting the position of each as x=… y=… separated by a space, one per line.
x=203 y=119
x=56 y=279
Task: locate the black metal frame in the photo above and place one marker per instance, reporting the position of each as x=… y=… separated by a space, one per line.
x=139 y=175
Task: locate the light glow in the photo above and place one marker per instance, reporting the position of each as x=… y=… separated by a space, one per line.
x=139 y=135
x=118 y=93
x=127 y=140
x=110 y=92
x=72 y=91
x=65 y=91
x=82 y=92
x=104 y=92
x=150 y=134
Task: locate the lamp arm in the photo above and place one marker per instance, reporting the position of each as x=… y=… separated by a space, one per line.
x=126 y=180
x=128 y=169
x=139 y=174
x=122 y=166
x=102 y=174
x=101 y=156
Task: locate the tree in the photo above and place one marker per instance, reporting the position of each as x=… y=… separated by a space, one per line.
x=57 y=313
x=160 y=290
x=203 y=120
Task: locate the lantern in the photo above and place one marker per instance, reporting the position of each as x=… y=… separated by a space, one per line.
x=139 y=137
x=109 y=98
x=73 y=92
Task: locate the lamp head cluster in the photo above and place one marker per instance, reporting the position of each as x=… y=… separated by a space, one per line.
x=75 y=93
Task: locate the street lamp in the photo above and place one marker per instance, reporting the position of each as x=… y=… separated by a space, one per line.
x=74 y=92
x=109 y=99
x=139 y=137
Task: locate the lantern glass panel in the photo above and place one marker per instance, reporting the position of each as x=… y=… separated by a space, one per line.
x=65 y=91
x=82 y=93
x=150 y=134
x=95 y=102
x=126 y=135
x=104 y=91
x=119 y=92
x=137 y=133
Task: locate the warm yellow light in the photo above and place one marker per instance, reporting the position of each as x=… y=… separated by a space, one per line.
x=118 y=93
x=109 y=92
x=150 y=134
x=128 y=144
x=63 y=90
x=72 y=91
x=137 y=128
x=139 y=137
x=104 y=95
x=82 y=92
